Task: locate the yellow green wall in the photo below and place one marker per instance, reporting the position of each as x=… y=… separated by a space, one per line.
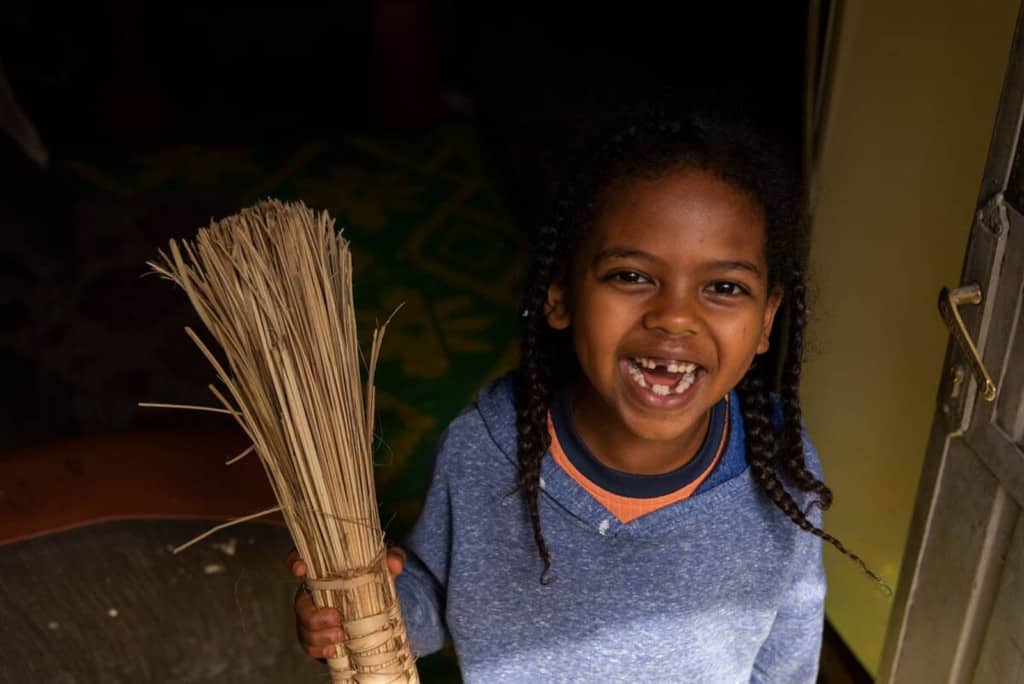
x=916 y=90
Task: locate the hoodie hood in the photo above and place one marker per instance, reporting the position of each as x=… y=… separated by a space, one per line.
x=496 y=403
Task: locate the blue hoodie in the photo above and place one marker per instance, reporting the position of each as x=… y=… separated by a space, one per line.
x=720 y=587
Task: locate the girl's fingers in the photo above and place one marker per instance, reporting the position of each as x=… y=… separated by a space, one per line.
x=296 y=564
x=318 y=629
x=322 y=651
x=321 y=638
x=312 y=618
x=396 y=559
x=324 y=618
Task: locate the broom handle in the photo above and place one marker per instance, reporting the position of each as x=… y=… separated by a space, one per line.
x=412 y=676
x=340 y=668
x=374 y=644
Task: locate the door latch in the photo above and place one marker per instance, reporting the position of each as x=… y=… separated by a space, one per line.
x=955 y=384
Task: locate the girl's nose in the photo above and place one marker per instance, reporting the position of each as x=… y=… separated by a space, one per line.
x=673 y=314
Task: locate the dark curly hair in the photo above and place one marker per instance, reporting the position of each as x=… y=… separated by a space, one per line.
x=651 y=146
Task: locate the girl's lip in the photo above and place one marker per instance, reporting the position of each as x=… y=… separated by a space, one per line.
x=647 y=398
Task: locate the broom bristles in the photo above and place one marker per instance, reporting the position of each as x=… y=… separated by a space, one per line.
x=273 y=285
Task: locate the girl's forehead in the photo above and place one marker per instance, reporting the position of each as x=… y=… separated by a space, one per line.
x=680 y=207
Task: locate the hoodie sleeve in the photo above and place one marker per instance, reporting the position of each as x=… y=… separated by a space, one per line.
x=422 y=584
x=793 y=647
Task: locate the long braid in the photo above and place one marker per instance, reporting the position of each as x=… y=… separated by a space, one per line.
x=791 y=452
x=533 y=389
x=761 y=447
x=542 y=357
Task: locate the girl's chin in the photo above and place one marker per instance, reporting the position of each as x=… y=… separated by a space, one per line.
x=649 y=431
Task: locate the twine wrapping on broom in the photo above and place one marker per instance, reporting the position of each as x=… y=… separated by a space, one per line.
x=376 y=644
x=273 y=285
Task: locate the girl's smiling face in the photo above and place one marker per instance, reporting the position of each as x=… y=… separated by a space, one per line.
x=668 y=301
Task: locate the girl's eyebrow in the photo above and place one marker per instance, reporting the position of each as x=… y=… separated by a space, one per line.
x=623 y=253
x=738 y=265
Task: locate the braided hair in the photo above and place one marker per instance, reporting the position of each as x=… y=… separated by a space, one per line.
x=652 y=146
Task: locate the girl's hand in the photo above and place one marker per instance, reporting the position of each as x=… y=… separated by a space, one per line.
x=319 y=629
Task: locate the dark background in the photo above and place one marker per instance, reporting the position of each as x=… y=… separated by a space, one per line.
x=117 y=80
x=120 y=91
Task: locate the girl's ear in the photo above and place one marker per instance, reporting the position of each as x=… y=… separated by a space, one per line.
x=774 y=300
x=557 y=307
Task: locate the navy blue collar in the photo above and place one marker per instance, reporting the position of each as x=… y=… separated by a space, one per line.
x=629 y=484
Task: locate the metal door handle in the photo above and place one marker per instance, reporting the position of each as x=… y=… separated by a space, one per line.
x=949 y=300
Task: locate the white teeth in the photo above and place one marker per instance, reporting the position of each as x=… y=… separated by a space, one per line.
x=670 y=366
x=637 y=376
x=683 y=384
x=688 y=371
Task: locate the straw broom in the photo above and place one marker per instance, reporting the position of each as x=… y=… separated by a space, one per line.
x=273 y=285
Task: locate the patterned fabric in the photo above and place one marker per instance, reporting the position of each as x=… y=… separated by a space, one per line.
x=86 y=336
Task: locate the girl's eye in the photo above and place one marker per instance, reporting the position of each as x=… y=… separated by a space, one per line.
x=627 y=277
x=725 y=288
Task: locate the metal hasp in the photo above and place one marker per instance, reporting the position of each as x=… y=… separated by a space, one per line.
x=949 y=300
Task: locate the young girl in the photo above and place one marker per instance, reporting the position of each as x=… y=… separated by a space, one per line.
x=633 y=505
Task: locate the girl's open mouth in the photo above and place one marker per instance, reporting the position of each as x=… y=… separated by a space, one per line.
x=662 y=377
